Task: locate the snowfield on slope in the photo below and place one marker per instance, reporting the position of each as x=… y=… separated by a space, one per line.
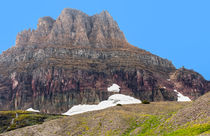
x=114 y=88
x=113 y=100
x=32 y=110
x=182 y=98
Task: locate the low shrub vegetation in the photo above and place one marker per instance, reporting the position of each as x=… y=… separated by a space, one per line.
x=145 y=102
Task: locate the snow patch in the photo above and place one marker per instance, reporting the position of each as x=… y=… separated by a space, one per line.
x=113 y=100
x=114 y=88
x=32 y=110
x=123 y=99
x=182 y=98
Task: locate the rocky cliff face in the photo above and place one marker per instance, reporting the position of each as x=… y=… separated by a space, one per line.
x=190 y=83
x=75 y=58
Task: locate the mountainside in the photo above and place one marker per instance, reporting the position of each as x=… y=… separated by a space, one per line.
x=75 y=58
x=155 y=119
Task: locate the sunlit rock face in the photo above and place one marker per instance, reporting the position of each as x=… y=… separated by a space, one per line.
x=75 y=28
x=73 y=59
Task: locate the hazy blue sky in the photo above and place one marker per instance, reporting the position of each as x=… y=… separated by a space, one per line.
x=178 y=30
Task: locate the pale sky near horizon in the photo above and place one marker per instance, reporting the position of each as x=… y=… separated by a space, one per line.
x=178 y=30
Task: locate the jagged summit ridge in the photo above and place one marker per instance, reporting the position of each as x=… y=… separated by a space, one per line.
x=75 y=28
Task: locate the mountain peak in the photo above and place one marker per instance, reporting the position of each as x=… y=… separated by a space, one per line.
x=105 y=13
x=71 y=12
x=75 y=28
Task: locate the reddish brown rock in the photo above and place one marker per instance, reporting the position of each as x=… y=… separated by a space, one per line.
x=190 y=83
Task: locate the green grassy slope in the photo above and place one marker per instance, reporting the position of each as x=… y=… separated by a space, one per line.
x=10 y=120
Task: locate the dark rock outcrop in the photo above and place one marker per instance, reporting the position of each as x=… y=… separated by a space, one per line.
x=75 y=58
